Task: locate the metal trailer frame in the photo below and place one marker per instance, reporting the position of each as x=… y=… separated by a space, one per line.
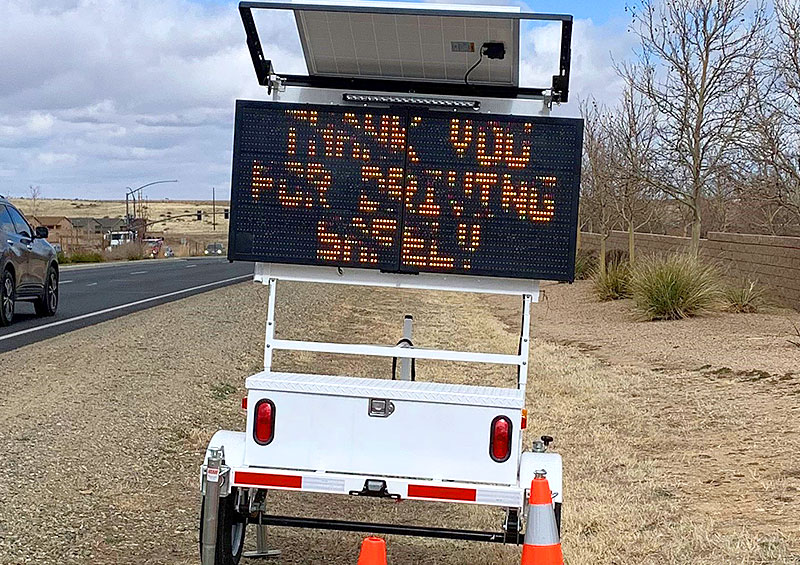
x=270 y=273
x=218 y=478
x=558 y=92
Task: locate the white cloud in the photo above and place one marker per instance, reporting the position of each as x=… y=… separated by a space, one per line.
x=56 y=158
x=592 y=70
x=96 y=95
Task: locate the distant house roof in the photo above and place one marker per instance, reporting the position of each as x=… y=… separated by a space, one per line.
x=110 y=223
x=83 y=222
x=52 y=220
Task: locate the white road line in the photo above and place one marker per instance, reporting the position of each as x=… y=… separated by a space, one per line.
x=92 y=284
x=64 y=282
x=138 y=272
x=121 y=307
x=191 y=266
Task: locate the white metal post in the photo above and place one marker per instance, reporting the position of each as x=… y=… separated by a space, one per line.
x=405 y=364
x=270 y=333
x=525 y=342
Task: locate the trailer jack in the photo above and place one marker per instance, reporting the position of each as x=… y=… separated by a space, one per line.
x=212 y=492
x=261 y=551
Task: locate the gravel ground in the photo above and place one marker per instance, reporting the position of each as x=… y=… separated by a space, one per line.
x=103 y=430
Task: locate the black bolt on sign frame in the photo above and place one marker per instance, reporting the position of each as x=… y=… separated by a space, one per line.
x=405 y=190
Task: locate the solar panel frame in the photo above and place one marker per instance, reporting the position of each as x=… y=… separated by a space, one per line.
x=264 y=68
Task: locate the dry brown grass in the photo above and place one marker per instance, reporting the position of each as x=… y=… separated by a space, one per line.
x=155 y=210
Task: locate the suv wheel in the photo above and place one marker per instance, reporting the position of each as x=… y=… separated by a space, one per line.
x=48 y=303
x=7 y=297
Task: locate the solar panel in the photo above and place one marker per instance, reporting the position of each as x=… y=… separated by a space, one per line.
x=408 y=47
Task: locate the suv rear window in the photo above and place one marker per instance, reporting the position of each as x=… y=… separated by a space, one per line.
x=6 y=225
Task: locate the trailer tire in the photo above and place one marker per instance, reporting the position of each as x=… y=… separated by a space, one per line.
x=557 y=511
x=231 y=529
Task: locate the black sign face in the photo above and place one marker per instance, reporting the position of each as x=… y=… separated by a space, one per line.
x=405 y=190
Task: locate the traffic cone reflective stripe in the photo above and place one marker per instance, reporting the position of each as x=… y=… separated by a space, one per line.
x=373 y=552
x=542 y=542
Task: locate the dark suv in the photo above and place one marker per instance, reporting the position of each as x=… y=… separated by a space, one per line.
x=28 y=265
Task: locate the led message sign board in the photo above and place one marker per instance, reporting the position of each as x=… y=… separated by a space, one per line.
x=405 y=190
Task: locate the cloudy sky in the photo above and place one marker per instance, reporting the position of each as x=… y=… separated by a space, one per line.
x=97 y=95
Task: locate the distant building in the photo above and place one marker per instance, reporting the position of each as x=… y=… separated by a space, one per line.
x=87 y=226
x=111 y=224
x=59 y=226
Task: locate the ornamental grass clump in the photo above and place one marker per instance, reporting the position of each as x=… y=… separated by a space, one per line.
x=745 y=298
x=614 y=283
x=673 y=287
x=585 y=263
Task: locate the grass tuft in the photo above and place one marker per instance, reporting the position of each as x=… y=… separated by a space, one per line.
x=745 y=298
x=614 y=284
x=673 y=287
x=585 y=263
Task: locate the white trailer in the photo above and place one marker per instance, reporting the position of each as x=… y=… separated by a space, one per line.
x=391 y=437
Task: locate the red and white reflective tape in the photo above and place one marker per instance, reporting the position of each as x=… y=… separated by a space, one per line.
x=442 y=493
x=320 y=483
x=247 y=479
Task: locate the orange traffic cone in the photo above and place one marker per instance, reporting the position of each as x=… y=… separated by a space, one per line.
x=542 y=542
x=373 y=552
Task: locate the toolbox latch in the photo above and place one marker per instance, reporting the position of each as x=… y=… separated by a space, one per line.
x=380 y=407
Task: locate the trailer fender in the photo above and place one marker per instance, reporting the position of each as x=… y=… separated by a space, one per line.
x=232 y=443
x=551 y=463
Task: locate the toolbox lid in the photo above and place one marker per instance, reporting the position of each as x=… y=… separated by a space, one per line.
x=435 y=393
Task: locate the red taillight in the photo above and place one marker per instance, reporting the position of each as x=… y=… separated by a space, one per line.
x=264 y=426
x=244 y=403
x=500 y=439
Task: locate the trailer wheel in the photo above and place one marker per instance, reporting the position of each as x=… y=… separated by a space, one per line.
x=557 y=510
x=230 y=530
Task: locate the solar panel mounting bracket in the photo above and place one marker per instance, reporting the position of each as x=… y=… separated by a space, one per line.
x=558 y=92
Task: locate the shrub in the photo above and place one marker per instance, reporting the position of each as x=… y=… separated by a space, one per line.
x=614 y=284
x=673 y=287
x=85 y=257
x=585 y=262
x=744 y=298
x=62 y=259
x=132 y=251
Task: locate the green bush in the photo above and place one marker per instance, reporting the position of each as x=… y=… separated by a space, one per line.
x=673 y=287
x=745 y=298
x=614 y=284
x=86 y=257
x=585 y=263
x=62 y=259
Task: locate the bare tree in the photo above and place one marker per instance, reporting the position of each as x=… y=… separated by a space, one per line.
x=633 y=138
x=774 y=134
x=35 y=192
x=696 y=63
x=599 y=174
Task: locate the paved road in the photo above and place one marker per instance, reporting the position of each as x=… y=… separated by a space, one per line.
x=89 y=295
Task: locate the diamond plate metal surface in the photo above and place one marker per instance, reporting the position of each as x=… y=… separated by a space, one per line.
x=438 y=393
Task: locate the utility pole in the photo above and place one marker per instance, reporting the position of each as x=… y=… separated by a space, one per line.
x=214 y=207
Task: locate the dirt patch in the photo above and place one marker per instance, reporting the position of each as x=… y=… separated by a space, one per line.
x=741 y=343
x=102 y=440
